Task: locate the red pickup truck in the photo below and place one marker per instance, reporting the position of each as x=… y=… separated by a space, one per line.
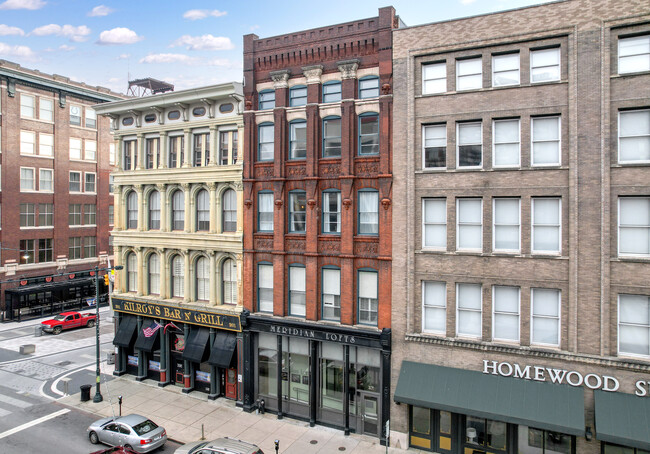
x=67 y=320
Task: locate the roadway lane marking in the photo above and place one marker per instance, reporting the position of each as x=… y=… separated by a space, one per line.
x=4 y=412
x=33 y=423
x=14 y=402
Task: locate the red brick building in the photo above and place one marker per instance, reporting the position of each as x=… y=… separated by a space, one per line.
x=317 y=204
x=55 y=197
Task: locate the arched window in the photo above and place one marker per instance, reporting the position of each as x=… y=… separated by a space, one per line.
x=202 y=210
x=202 y=279
x=132 y=210
x=229 y=280
x=132 y=272
x=229 y=211
x=178 y=277
x=153 y=267
x=154 y=210
x=178 y=210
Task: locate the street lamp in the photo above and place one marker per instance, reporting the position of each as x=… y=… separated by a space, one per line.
x=98 y=395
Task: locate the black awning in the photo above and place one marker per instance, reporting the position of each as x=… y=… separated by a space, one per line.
x=50 y=286
x=126 y=331
x=195 y=345
x=145 y=343
x=623 y=419
x=223 y=348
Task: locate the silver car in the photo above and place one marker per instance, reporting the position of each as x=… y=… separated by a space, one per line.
x=219 y=446
x=132 y=431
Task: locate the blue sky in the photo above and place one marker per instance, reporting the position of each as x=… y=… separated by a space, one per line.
x=188 y=43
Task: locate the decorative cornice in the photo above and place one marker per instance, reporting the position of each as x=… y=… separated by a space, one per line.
x=280 y=78
x=348 y=68
x=312 y=73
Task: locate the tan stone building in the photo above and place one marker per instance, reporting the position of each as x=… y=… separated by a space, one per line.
x=178 y=235
x=521 y=231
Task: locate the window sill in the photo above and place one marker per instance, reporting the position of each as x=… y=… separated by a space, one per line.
x=26 y=155
x=489 y=89
x=635 y=73
x=631 y=258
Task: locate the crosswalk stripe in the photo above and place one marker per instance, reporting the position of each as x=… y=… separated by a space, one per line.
x=33 y=423
x=14 y=402
x=4 y=412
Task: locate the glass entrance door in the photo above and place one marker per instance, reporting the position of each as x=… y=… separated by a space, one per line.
x=368 y=413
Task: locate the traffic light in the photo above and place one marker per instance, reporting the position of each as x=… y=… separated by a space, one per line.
x=106 y=280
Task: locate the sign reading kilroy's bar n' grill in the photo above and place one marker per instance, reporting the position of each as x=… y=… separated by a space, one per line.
x=178 y=314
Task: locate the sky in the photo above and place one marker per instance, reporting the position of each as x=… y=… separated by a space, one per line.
x=189 y=43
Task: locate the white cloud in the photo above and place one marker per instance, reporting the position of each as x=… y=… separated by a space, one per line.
x=23 y=4
x=76 y=34
x=100 y=10
x=118 y=35
x=66 y=47
x=7 y=30
x=204 y=42
x=254 y=27
x=196 y=14
x=224 y=63
x=16 y=51
x=123 y=56
x=168 y=58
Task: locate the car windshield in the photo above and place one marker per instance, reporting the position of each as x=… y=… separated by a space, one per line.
x=59 y=317
x=145 y=427
x=197 y=447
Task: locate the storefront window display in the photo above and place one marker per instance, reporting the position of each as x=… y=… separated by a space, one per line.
x=537 y=441
x=616 y=449
x=295 y=366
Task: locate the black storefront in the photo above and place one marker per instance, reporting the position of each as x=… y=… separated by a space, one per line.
x=198 y=350
x=334 y=376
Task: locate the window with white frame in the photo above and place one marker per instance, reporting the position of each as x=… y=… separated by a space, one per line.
x=469 y=228
x=111 y=180
x=27 y=215
x=229 y=281
x=202 y=211
x=545 y=136
x=178 y=210
x=45 y=214
x=91 y=118
x=26 y=106
x=154 y=210
x=505 y=70
x=111 y=214
x=434 y=78
x=470 y=145
x=75 y=115
x=634 y=226
x=229 y=211
x=546 y=222
x=90 y=247
x=368 y=134
x=26 y=179
x=74 y=214
x=178 y=277
x=434 y=307
x=153 y=268
x=90 y=182
x=132 y=272
x=27 y=252
x=332 y=212
x=90 y=150
x=74 y=248
x=545 y=314
x=265 y=142
x=469 y=74
x=46 y=180
x=506 y=143
x=634 y=325
x=90 y=214
x=507 y=225
x=332 y=137
x=45 y=144
x=75 y=148
x=505 y=313
x=634 y=136
x=634 y=54
x=368 y=212
x=545 y=65
x=331 y=294
x=132 y=211
x=202 y=279
x=45 y=250
x=468 y=310
x=297 y=211
x=434 y=144
x=368 y=302
x=434 y=223
x=27 y=142
x=297 y=140
x=265 y=211
x=265 y=287
x=297 y=291
x=45 y=109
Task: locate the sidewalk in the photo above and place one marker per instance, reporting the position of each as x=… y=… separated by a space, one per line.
x=183 y=415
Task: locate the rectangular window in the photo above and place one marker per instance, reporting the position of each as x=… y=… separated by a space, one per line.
x=368 y=302
x=90 y=150
x=111 y=215
x=265 y=212
x=74 y=248
x=266 y=100
x=45 y=215
x=468 y=308
x=27 y=142
x=505 y=70
x=545 y=313
x=470 y=145
x=368 y=213
x=201 y=150
x=27 y=217
x=546 y=442
x=544 y=65
x=91 y=118
x=152 y=152
x=297 y=140
x=224 y=145
x=297 y=96
x=90 y=246
x=46 y=145
x=507 y=225
x=27 y=252
x=331 y=294
x=434 y=223
x=90 y=214
x=110 y=184
x=369 y=87
x=265 y=146
x=469 y=228
x=75 y=181
x=46 y=109
x=634 y=325
x=26 y=179
x=506 y=143
x=265 y=288
x=434 y=141
x=297 y=211
x=545 y=132
x=634 y=226
x=75 y=115
x=469 y=74
x=505 y=317
x=332 y=212
x=332 y=92
x=546 y=220
x=297 y=291
x=434 y=307
x=111 y=154
x=75 y=148
x=634 y=54
x=45 y=250
x=634 y=136
x=45 y=181
x=74 y=214
x=434 y=78
x=332 y=138
x=368 y=135
x=128 y=147
x=26 y=106
x=90 y=182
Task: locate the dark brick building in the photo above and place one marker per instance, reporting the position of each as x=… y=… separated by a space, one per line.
x=317 y=205
x=56 y=203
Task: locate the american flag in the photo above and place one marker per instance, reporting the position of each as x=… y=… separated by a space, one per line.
x=151 y=330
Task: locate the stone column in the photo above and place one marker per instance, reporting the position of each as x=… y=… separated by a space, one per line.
x=164 y=222
x=218 y=228
x=139 y=254
x=187 y=146
x=188 y=207
x=239 y=190
x=163 y=273
x=139 y=147
x=212 y=187
x=214 y=151
x=187 y=277
x=118 y=152
x=139 y=191
x=117 y=284
x=163 y=151
x=213 y=277
x=240 y=145
x=118 y=209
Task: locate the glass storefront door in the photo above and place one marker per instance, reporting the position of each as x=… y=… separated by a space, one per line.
x=368 y=416
x=295 y=376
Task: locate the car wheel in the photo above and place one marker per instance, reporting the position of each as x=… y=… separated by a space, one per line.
x=129 y=447
x=56 y=330
x=91 y=323
x=94 y=439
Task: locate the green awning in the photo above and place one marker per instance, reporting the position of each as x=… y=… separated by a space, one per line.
x=559 y=408
x=623 y=419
